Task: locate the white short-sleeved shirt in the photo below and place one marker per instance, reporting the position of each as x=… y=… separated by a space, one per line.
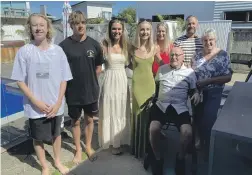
x=173 y=87
x=42 y=71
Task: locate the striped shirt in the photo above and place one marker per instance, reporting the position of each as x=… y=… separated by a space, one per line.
x=189 y=46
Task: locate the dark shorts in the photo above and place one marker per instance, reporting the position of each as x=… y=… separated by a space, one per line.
x=74 y=111
x=170 y=115
x=44 y=129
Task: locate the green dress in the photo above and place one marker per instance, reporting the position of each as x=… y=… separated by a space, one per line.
x=143 y=87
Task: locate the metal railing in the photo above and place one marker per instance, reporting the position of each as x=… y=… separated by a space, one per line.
x=14 y=12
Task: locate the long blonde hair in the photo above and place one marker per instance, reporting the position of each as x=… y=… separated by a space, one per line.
x=149 y=45
x=167 y=41
x=108 y=41
x=49 y=34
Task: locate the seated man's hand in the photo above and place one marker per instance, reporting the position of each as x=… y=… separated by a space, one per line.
x=196 y=98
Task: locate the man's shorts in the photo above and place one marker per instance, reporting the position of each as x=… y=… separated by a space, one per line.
x=74 y=111
x=170 y=115
x=43 y=129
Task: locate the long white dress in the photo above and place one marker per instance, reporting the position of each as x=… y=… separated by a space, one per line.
x=114 y=104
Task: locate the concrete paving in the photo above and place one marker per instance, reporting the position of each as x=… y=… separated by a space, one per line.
x=21 y=159
x=226 y=161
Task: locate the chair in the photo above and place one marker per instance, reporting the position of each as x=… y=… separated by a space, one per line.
x=191 y=149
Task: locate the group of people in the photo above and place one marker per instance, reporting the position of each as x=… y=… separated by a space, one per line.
x=172 y=74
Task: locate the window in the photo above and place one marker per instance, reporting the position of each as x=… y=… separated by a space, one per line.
x=4 y=7
x=155 y=18
x=14 y=8
x=106 y=15
x=18 y=5
x=238 y=16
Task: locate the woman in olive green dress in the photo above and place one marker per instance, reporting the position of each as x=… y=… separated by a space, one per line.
x=143 y=85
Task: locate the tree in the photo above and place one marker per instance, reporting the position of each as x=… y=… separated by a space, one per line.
x=180 y=22
x=98 y=20
x=129 y=14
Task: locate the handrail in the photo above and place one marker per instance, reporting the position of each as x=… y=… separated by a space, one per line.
x=244 y=62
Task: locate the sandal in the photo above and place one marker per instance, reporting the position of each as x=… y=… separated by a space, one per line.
x=93 y=157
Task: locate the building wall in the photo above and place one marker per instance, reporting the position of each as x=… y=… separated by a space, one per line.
x=15 y=4
x=81 y=7
x=222 y=6
x=242 y=42
x=95 y=10
x=202 y=9
x=10 y=32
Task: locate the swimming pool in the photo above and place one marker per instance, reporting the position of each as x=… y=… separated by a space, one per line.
x=11 y=103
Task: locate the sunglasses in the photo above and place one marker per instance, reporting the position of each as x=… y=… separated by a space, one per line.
x=176 y=55
x=143 y=19
x=119 y=19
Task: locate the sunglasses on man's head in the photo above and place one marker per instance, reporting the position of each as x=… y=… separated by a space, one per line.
x=176 y=55
x=143 y=19
x=119 y=19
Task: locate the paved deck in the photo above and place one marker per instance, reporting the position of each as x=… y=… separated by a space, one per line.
x=226 y=161
x=21 y=159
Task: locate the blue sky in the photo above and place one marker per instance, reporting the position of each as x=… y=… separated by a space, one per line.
x=55 y=7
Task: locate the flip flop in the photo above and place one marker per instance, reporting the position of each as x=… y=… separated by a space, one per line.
x=93 y=157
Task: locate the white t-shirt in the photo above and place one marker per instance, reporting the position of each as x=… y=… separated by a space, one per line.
x=173 y=87
x=42 y=71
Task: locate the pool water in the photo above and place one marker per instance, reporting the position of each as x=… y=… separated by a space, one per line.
x=10 y=103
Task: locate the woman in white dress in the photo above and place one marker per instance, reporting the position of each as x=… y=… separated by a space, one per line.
x=114 y=115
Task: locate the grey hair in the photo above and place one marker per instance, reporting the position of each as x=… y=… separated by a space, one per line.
x=209 y=32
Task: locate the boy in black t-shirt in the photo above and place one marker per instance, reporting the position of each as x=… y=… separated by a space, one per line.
x=85 y=58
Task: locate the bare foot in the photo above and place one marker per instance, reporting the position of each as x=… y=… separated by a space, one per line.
x=116 y=151
x=62 y=169
x=91 y=154
x=77 y=158
x=45 y=171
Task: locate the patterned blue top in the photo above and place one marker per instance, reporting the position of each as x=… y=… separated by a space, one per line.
x=218 y=66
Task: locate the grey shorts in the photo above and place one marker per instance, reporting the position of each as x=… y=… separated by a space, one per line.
x=44 y=129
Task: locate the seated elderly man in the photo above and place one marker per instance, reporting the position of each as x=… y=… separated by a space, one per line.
x=174 y=82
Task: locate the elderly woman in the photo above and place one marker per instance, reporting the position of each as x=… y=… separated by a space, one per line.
x=213 y=70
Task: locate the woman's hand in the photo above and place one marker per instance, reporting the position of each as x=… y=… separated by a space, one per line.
x=202 y=83
x=157 y=56
x=196 y=98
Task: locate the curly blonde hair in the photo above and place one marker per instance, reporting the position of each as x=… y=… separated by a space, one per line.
x=49 y=34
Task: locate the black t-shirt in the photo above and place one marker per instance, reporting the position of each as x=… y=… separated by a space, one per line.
x=83 y=57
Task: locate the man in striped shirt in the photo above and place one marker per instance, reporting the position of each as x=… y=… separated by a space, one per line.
x=189 y=42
